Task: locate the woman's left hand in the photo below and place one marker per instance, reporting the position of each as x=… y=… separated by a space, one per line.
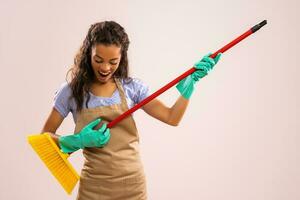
x=204 y=65
x=186 y=86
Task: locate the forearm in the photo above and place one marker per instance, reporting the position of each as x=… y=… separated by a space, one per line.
x=177 y=111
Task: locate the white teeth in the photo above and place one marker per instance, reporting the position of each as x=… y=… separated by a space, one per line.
x=104 y=74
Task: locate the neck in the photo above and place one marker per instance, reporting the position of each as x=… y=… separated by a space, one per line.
x=109 y=82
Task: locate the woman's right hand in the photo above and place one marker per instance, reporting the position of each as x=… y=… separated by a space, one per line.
x=87 y=137
x=94 y=138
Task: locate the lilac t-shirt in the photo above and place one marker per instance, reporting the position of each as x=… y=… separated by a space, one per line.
x=135 y=92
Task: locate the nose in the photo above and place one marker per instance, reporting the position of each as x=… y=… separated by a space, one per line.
x=105 y=67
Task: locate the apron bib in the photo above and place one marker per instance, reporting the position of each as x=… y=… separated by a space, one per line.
x=115 y=171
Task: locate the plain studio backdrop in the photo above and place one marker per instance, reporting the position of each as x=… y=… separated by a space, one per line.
x=239 y=138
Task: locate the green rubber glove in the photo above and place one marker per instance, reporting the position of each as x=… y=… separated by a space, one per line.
x=87 y=137
x=186 y=85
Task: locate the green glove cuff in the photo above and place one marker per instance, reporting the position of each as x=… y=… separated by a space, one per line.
x=70 y=143
x=186 y=87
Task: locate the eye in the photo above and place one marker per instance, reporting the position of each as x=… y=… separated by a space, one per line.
x=113 y=63
x=98 y=61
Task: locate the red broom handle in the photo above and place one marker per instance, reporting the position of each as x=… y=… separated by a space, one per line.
x=185 y=74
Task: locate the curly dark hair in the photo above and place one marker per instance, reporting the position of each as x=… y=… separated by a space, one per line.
x=107 y=33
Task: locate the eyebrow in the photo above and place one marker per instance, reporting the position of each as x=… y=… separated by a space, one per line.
x=102 y=58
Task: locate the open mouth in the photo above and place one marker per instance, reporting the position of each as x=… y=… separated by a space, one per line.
x=104 y=75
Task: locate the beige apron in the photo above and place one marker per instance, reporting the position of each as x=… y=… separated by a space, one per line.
x=114 y=172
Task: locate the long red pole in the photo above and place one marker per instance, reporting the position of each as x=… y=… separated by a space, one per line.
x=185 y=74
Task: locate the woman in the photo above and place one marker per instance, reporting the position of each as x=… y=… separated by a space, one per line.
x=99 y=91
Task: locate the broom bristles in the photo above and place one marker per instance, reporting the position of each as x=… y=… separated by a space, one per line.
x=55 y=160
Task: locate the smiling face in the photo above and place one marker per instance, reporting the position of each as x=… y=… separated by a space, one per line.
x=105 y=61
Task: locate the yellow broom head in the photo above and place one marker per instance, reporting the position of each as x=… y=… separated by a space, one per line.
x=55 y=160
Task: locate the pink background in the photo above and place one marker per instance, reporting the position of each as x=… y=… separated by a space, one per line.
x=239 y=138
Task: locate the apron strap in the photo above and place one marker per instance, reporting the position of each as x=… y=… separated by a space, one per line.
x=122 y=94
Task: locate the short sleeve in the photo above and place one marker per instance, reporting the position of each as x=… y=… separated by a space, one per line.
x=61 y=100
x=141 y=90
